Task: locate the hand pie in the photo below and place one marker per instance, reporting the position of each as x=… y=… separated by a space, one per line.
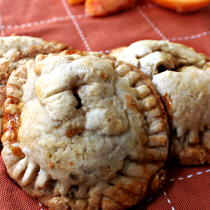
x=84 y=131
x=187 y=97
x=17 y=50
x=182 y=78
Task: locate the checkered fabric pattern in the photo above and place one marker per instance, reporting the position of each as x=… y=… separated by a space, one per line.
x=56 y=20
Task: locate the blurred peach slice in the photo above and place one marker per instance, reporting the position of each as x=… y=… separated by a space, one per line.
x=75 y=2
x=117 y=51
x=105 y=7
x=182 y=6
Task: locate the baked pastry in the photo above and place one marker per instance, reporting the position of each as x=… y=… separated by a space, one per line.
x=187 y=97
x=84 y=131
x=182 y=78
x=17 y=50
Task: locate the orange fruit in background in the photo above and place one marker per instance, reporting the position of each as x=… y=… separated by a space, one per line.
x=74 y=2
x=182 y=6
x=106 y=7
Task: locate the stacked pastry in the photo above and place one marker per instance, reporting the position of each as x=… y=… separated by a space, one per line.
x=182 y=78
x=84 y=130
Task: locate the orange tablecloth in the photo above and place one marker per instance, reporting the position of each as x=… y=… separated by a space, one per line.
x=56 y=20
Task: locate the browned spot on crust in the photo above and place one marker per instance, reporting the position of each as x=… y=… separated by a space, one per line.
x=119 y=185
x=5 y=71
x=157 y=180
x=131 y=102
x=168 y=103
x=50 y=165
x=109 y=204
x=70 y=52
x=82 y=53
x=120 y=196
x=32 y=51
x=103 y=75
x=13 y=100
x=71 y=163
x=16 y=151
x=74 y=131
x=76 y=52
x=12 y=124
x=2 y=96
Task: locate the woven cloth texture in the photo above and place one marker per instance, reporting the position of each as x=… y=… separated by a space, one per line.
x=57 y=20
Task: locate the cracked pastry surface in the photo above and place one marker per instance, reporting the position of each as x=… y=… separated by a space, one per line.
x=17 y=50
x=182 y=78
x=84 y=131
